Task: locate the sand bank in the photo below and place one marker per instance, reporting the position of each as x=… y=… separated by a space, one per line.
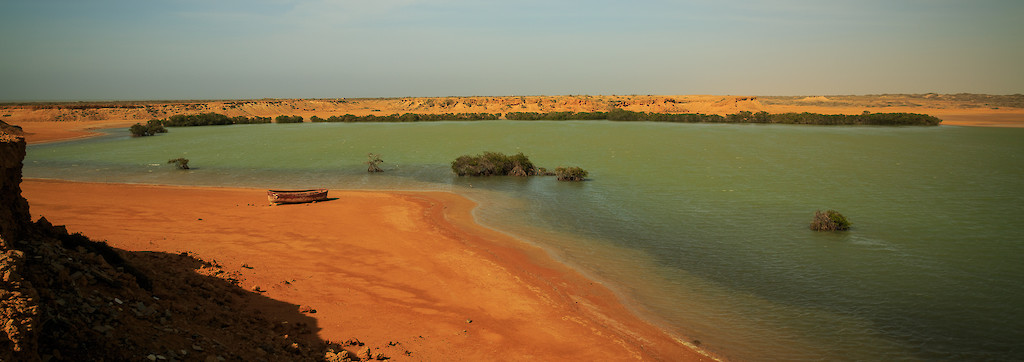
x=411 y=268
x=52 y=131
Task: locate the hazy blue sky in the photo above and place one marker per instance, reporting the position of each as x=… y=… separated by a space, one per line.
x=203 y=49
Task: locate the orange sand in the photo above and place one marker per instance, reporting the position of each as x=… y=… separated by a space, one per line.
x=407 y=267
x=44 y=131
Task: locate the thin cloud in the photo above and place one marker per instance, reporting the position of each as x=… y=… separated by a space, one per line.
x=344 y=11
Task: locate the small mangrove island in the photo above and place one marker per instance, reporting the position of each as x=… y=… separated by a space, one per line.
x=500 y=164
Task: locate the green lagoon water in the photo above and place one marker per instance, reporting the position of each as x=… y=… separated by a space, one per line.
x=701 y=228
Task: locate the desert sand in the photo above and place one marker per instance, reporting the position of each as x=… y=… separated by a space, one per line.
x=402 y=268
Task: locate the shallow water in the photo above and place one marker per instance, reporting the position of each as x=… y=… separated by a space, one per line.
x=700 y=227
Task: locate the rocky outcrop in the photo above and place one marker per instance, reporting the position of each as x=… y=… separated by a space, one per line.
x=18 y=308
x=18 y=299
x=14 y=215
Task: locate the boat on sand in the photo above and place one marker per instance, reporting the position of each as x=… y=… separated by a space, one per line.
x=296 y=196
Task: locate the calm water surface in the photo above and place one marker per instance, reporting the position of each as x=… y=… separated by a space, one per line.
x=701 y=228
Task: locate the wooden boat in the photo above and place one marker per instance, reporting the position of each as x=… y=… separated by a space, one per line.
x=296 y=196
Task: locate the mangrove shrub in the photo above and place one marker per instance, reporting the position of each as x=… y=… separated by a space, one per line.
x=288 y=119
x=373 y=162
x=571 y=173
x=202 y=119
x=412 y=117
x=830 y=220
x=209 y=119
x=618 y=114
x=151 y=128
x=494 y=164
x=182 y=163
x=247 y=120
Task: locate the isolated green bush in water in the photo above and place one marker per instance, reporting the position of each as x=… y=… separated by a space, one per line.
x=830 y=220
x=373 y=162
x=571 y=173
x=182 y=163
x=138 y=130
x=494 y=164
x=151 y=128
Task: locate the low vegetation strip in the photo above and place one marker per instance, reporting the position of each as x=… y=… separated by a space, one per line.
x=210 y=119
x=876 y=119
x=621 y=115
x=411 y=117
x=866 y=118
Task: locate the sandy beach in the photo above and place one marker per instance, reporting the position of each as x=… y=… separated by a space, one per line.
x=411 y=268
x=44 y=131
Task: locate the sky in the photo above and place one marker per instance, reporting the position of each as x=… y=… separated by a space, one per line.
x=68 y=50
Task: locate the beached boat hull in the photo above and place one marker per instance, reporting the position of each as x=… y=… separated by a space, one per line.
x=296 y=196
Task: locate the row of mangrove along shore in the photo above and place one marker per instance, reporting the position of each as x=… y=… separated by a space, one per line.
x=866 y=118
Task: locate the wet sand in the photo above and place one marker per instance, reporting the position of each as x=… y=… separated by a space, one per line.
x=43 y=131
x=406 y=267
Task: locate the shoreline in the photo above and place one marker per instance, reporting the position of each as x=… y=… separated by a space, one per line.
x=473 y=289
x=38 y=132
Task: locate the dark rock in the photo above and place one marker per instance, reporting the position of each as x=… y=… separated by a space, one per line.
x=14 y=215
